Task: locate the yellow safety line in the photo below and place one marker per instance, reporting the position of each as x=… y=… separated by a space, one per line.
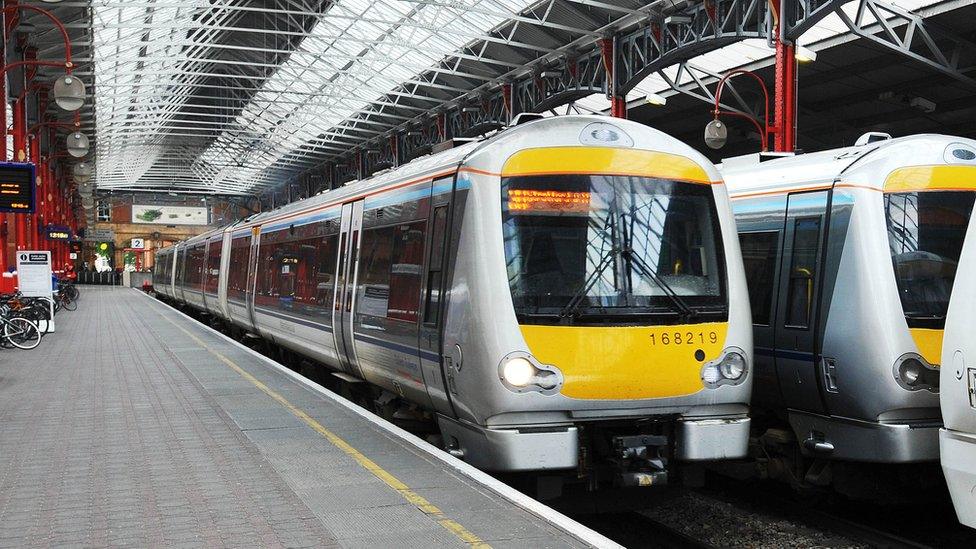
x=414 y=498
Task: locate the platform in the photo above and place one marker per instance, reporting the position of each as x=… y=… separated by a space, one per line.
x=135 y=425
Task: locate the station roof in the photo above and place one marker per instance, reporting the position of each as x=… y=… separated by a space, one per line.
x=236 y=97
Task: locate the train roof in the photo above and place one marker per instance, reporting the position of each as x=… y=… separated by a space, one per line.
x=752 y=174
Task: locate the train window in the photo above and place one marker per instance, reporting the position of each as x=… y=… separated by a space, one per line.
x=434 y=278
x=759 y=254
x=405 y=271
x=213 y=267
x=374 y=271
x=240 y=251
x=925 y=235
x=389 y=271
x=803 y=271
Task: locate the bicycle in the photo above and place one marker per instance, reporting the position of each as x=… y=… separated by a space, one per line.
x=35 y=309
x=18 y=331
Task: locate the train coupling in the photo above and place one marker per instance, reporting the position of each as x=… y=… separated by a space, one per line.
x=641 y=460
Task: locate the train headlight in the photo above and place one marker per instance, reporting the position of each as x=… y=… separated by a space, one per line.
x=913 y=373
x=729 y=369
x=520 y=372
x=732 y=366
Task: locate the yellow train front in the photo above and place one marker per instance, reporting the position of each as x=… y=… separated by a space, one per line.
x=597 y=308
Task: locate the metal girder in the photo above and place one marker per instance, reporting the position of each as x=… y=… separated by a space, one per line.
x=693 y=81
x=911 y=36
x=679 y=37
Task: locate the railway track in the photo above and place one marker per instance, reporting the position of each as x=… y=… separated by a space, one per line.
x=636 y=530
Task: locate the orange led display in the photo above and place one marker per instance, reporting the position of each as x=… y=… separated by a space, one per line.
x=543 y=201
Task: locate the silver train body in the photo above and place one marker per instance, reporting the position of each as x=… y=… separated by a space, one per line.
x=503 y=286
x=851 y=256
x=958 y=382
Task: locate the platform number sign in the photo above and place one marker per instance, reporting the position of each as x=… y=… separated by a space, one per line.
x=138 y=243
x=17 y=185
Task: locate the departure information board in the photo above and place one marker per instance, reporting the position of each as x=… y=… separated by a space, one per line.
x=17 y=187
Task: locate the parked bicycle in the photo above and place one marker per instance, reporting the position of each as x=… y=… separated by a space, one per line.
x=17 y=331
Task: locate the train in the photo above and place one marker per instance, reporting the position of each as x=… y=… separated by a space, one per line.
x=566 y=292
x=851 y=255
x=957 y=378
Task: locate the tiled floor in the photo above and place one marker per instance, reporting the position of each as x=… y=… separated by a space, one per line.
x=131 y=426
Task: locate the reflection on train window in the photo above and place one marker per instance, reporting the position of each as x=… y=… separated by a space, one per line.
x=296 y=269
x=759 y=253
x=240 y=250
x=925 y=234
x=612 y=245
x=193 y=270
x=212 y=268
x=390 y=271
x=803 y=271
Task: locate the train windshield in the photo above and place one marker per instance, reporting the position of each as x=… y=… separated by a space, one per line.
x=925 y=234
x=602 y=248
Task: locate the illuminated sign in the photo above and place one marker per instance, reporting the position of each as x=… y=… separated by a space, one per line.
x=17 y=184
x=58 y=232
x=528 y=201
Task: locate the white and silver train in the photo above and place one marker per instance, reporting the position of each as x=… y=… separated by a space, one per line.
x=568 y=289
x=958 y=382
x=851 y=256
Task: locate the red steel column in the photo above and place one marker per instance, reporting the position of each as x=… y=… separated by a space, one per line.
x=4 y=218
x=785 y=97
x=20 y=155
x=34 y=230
x=618 y=103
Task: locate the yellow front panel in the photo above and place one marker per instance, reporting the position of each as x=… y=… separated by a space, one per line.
x=929 y=343
x=605 y=161
x=931 y=178
x=627 y=362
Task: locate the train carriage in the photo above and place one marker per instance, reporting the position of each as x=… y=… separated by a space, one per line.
x=851 y=256
x=549 y=293
x=957 y=440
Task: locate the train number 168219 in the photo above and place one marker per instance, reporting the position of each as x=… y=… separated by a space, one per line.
x=683 y=338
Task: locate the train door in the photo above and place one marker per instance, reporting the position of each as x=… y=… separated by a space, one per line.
x=252 y=277
x=431 y=306
x=796 y=345
x=350 y=231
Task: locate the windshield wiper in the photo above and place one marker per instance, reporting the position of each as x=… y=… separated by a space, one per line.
x=634 y=259
x=577 y=300
x=679 y=303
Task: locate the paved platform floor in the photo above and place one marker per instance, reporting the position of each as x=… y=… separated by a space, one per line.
x=135 y=426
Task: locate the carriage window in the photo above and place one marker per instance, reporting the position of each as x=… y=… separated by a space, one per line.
x=390 y=269
x=803 y=271
x=213 y=267
x=240 y=250
x=759 y=253
x=375 y=254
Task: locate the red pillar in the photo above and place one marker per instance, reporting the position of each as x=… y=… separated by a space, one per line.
x=618 y=103
x=20 y=155
x=3 y=158
x=785 y=98
x=34 y=241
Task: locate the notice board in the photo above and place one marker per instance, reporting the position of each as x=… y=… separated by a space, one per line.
x=34 y=273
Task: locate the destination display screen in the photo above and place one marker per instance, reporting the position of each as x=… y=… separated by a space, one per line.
x=58 y=232
x=17 y=187
x=538 y=201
